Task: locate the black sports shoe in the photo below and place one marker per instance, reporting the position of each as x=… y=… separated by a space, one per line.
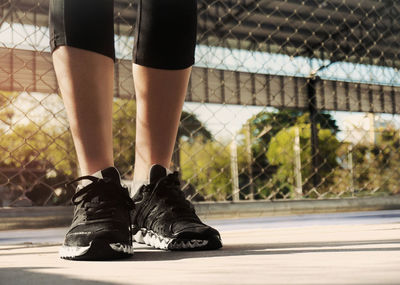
x=164 y=219
x=101 y=227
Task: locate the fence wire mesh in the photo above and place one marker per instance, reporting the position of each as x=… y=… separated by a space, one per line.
x=287 y=100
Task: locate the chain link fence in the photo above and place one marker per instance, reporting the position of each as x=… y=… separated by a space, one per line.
x=287 y=100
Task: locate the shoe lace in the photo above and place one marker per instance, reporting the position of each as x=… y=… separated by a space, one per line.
x=101 y=209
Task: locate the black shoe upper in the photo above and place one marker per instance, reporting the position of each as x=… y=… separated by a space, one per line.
x=102 y=211
x=161 y=207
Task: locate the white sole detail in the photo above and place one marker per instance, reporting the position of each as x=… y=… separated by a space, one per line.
x=122 y=248
x=151 y=238
x=77 y=251
x=72 y=251
x=194 y=243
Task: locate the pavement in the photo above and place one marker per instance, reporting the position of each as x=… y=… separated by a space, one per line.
x=340 y=248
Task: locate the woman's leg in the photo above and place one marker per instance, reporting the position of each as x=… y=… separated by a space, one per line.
x=86 y=82
x=164 y=54
x=165 y=42
x=82 y=42
x=160 y=95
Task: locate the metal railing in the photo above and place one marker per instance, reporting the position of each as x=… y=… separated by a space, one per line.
x=287 y=100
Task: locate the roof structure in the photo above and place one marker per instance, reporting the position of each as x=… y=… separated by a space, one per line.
x=365 y=31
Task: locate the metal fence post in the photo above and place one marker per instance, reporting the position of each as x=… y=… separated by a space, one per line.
x=350 y=165
x=312 y=108
x=297 y=165
x=234 y=171
x=249 y=156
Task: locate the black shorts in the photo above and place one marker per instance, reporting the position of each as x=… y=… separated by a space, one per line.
x=165 y=35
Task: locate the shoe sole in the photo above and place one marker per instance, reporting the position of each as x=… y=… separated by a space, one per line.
x=155 y=240
x=97 y=250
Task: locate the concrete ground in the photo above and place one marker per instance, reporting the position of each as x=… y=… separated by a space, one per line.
x=343 y=248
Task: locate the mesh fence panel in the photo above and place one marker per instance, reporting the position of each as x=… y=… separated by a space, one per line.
x=287 y=100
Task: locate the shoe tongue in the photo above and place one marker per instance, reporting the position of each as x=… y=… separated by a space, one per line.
x=111 y=172
x=156 y=173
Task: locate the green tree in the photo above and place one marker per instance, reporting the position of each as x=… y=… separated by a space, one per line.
x=190 y=128
x=281 y=153
x=6 y=110
x=376 y=167
x=206 y=166
x=41 y=157
x=265 y=125
x=261 y=128
x=45 y=153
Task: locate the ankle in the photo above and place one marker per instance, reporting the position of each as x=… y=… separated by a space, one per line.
x=141 y=176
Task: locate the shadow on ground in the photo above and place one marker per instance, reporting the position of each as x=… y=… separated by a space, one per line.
x=48 y=255
x=267 y=249
x=150 y=254
x=27 y=275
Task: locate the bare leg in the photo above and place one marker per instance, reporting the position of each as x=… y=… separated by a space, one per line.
x=160 y=95
x=86 y=82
